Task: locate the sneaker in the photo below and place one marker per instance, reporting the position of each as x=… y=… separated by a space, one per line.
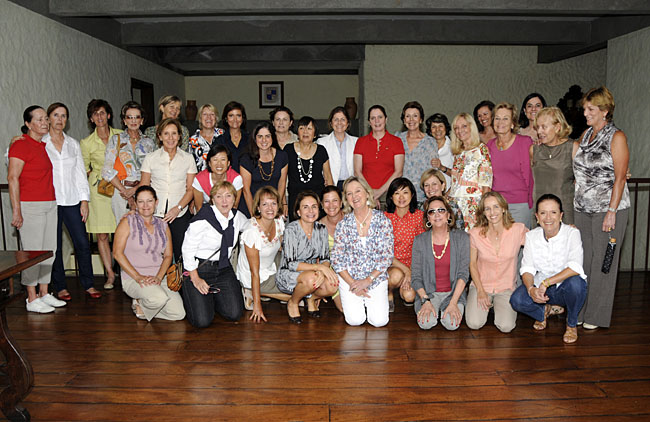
x=588 y=326
x=38 y=306
x=52 y=301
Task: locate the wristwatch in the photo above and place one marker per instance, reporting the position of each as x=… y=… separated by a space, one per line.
x=179 y=207
x=425 y=299
x=372 y=278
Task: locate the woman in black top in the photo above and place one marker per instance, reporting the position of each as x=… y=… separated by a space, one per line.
x=265 y=164
x=234 y=137
x=309 y=167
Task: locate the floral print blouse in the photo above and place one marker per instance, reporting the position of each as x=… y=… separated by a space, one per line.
x=472 y=170
x=360 y=258
x=405 y=229
x=199 y=147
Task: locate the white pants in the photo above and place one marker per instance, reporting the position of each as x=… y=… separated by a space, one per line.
x=358 y=309
x=155 y=300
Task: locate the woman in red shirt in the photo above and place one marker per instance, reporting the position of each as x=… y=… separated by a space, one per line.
x=407 y=219
x=33 y=203
x=378 y=156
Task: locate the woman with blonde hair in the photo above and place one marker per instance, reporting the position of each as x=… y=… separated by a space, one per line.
x=472 y=173
x=495 y=243
x=205 y=135
x=510 y=155
x=170 y=108
x=552 y=159
x=434 y=183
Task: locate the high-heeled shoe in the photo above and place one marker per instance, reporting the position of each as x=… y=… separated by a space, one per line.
x=295 y=319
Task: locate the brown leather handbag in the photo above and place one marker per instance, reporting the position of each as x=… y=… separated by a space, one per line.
x=105 y=188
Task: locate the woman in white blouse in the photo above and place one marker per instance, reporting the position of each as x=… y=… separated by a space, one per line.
x=340 y=146
x=72 y=196
x=551 y=269
x=209 y=241
x=170 y=171
x=259 y=246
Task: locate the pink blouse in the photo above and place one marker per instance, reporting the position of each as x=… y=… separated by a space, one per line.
x=513 y=176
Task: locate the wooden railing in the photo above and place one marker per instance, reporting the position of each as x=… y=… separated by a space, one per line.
x=638 y=228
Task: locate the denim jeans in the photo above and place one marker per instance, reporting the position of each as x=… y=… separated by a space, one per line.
x=571 y=294
x=228 y=303
x=71 y=217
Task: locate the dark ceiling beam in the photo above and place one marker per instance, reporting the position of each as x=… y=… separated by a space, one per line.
x=357 y=31
x=130 y=8
x=262 y=54
x=602 y=30
x=269 y=68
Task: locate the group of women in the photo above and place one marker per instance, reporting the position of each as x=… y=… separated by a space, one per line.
x=458 y=202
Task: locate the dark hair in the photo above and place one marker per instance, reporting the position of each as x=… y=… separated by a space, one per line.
x=278 y=109
x=451 y=223
x=233 y=105
x=214 y=150
x=93 y=106
x=253 y=149
x=305 y=121
x=548 y=197
x=395 y=185
x=485 y=103
x=145 y=188
x=378 y=107
x=162 y=125
x=338 y=109
x=302 y=195
x=437 y=118
x=331 y=188
x=415 y=105
x=266 y=191
x=54 y=106
x=129 y=105
x=28 y=115
x=523 y=120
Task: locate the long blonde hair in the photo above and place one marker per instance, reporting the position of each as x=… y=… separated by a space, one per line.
x=456 y=144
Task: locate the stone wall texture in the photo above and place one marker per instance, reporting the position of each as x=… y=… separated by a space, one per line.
x=42 y=61
x=453 y=79
x=628 y=61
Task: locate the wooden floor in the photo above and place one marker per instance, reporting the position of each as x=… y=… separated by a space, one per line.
x=94 y=361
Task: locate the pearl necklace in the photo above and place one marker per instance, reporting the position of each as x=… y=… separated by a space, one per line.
x=301 y=171
x=362 y=223
x=433 y=249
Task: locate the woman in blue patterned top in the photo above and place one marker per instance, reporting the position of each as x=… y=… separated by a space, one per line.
x=363 y=251
x=305 y=270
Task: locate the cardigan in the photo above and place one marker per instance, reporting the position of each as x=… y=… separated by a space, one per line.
x=423 y=267
x=330 y=144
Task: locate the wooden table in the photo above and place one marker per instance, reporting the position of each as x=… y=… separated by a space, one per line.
x=17 y=369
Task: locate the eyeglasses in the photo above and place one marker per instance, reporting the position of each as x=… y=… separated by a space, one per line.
x=132 y=117
x=437 y=211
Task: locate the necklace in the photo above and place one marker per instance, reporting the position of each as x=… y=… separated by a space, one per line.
x=433 y=249
x=310 y=232
x=362 y=223
x=266 y=177
x=267 y=230
x=301 y=171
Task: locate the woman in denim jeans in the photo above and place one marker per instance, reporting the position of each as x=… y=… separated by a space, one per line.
x=213 y=286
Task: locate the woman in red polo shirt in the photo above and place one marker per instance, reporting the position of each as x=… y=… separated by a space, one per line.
x=378 y=156
x=33 y=203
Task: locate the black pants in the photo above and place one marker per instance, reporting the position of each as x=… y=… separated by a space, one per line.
x=228 y=303
x=178 y=227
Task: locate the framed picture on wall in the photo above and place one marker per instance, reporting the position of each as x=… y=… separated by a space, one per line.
x=271 y=94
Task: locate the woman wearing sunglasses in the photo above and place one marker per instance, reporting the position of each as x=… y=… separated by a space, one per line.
x=440 y=268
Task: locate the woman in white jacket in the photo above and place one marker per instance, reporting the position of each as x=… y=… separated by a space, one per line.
x=340 y=146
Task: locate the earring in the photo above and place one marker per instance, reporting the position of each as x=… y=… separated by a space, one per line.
x=368 y=202
x=428 y=224
x=604 y=118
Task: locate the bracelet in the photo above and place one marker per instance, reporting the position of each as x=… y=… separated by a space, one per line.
x=530 y=288
x=610 y=209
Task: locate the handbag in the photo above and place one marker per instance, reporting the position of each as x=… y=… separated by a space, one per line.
x=105 y=188
x=176 y=276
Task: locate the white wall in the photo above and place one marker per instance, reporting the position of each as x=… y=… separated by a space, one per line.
x=452 y=79
x=313 y=95
x=42 y=61
x=628 y=61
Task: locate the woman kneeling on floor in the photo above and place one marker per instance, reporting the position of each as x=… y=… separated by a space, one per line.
x=551 y=269
x=207 y=247
x=259 y=246
x=146 y=240
x=440 y=268
x=305 y=268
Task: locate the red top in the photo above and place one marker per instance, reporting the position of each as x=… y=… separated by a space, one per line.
x=36 y=178
x=404 y=230
x=443 y=283
x=378 y=164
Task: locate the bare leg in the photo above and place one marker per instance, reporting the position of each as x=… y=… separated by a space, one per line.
x=105 y=254
x=305 y=286
x=31 y=293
